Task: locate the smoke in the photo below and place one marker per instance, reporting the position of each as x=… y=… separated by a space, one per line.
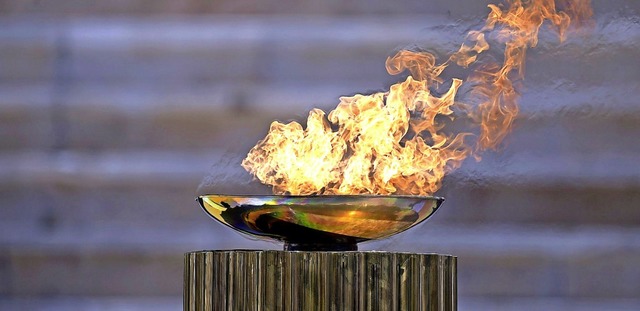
x=227 y=176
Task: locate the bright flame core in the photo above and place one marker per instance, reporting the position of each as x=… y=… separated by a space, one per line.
x=393 y=142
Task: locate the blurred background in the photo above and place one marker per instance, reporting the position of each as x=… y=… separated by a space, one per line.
x=112 y=112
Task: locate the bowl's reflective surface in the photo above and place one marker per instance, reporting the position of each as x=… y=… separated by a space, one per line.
x=331 y=220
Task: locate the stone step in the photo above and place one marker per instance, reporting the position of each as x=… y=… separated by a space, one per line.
x=76 y=191
x=100 y=118
x=552 y=120
x=198 y=7
x=547 y=304
x=126 y=83
x=506 y=261
x=152 y=303
x=172 y=303
x=27 y=119
x=165 y=52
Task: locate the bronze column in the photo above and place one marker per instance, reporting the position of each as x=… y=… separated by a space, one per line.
x=318 y=280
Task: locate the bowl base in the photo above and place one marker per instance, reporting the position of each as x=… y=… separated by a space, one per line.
x=317 y=247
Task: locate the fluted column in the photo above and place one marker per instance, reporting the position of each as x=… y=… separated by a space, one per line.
x=296 y=280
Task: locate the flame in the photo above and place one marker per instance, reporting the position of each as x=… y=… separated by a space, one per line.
x=517 y=28
x=394 y=142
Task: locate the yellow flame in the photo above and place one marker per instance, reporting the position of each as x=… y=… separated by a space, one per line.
x=393 y=142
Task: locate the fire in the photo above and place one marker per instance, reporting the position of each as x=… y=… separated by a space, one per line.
x=394 y=142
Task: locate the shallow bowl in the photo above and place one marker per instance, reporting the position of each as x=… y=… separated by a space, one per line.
x=329 y=222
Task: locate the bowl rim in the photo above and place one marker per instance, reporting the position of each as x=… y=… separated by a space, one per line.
x=328 y=196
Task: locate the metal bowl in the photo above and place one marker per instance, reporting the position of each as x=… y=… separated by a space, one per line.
x=332 y=222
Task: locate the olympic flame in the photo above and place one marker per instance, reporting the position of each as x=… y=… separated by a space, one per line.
x=395 y=142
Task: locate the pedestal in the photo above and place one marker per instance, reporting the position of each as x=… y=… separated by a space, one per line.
x=319 y=280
